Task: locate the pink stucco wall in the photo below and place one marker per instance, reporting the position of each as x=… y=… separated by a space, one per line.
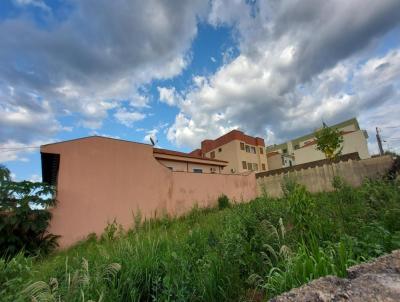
x=102 y=179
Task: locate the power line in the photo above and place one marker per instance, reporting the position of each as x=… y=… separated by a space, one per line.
x=18 y=148
x=390 y=127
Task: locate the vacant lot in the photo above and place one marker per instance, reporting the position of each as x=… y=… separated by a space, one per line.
x=243 y=252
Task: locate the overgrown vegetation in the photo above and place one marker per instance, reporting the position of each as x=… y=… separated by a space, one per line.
x=24 y=216
x=261 y=248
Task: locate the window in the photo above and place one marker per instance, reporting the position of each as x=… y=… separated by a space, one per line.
x=296 y=147
x=255 y=167
x=284 y=151
x=212 y=154
x=249 y=166
x=241 y=146
x=220 y=149
x=247 y=148
x=263 y=167
x=261 y=151
x=244 y=165
x=195 y=170
x=253 y=150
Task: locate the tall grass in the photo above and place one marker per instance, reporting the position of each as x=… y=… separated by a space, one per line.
x=218 y=254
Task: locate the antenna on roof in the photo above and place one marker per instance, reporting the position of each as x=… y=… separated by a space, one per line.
x=152 y=141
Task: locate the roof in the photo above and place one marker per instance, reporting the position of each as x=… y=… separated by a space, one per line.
x=186 y=155
x=91 y=137
x=208 y=145
x=197 y=152
x=155 y=150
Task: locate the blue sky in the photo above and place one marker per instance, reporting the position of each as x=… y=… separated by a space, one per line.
x=183 y=71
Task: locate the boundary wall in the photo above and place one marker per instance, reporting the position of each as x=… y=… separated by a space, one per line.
x=101 y=179
x=319 y=178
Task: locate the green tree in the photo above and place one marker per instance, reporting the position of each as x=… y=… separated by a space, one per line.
x=24 y=216
x=5 y=176
x=329 y=141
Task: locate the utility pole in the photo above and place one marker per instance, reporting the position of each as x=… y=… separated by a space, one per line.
x=378 y=138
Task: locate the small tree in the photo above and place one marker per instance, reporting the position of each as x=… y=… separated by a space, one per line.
x=329 y=141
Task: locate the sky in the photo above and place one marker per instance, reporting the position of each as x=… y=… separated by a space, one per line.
x=184 y=71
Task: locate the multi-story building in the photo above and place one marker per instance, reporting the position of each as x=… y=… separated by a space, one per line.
x=303 y=149
x=242 y=152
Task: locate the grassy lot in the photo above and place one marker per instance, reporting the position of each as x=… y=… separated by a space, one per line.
x=232 y=253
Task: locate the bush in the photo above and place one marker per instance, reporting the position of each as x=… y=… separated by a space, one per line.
x=223 y=202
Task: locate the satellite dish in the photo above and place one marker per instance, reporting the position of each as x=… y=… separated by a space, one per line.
x=152 y=141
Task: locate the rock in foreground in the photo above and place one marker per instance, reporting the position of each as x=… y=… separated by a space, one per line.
x=374 y=281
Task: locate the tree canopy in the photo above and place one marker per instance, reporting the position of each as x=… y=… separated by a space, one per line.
x=329 y=141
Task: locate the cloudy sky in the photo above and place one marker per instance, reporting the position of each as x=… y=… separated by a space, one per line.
x=183 y=71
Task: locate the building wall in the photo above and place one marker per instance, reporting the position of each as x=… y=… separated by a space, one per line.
x=319 y=179
x=232 y=153
x=275 y=161
x=228 y=153
x=102 y=179
x=356 y=142
x=352 y=142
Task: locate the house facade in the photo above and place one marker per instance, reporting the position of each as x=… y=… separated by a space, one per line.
x=303 y=149
x=242 y=152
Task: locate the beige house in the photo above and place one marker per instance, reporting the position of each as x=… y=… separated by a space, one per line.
x=303 y=149
x=243 y=153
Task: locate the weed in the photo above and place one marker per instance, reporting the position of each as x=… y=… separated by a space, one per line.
x=223 y=202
